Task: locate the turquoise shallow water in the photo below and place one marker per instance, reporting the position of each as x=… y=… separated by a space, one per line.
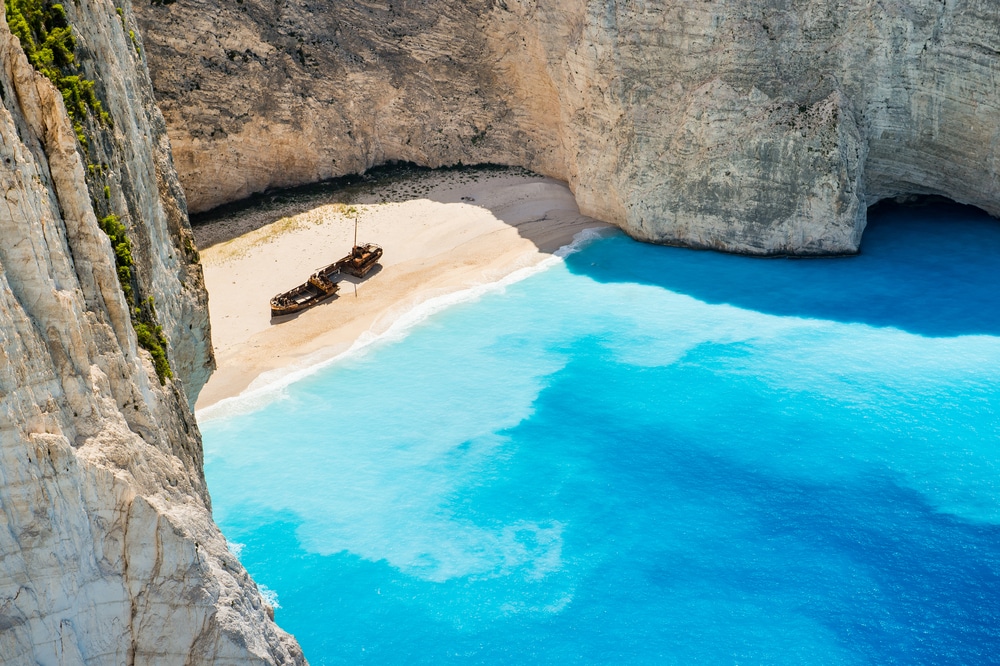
x=650 y=455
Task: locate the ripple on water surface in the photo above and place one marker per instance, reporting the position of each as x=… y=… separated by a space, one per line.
x=649 y=455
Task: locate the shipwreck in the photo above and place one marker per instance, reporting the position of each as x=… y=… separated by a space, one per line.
x=323 y=284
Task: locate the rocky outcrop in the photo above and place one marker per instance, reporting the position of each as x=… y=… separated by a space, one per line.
x=260 y=94
x=759 y=126
x=108 y=552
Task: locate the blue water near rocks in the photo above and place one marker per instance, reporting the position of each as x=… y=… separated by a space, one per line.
x=650 y=455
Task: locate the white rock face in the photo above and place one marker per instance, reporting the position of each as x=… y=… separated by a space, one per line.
x=759 y=126
x=108 y=552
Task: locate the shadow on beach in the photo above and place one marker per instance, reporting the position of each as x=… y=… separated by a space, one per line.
x=396 y=183
x=348 y=289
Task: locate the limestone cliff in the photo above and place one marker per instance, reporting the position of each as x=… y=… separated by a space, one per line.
x=760 y=126
x=108 y=552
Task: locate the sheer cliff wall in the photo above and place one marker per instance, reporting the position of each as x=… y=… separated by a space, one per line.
x=758 y=126
x=108 y=552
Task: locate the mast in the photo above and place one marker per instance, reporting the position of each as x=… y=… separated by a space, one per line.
x=355 y=231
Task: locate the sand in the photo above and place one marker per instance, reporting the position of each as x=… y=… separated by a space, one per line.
x=459 y=230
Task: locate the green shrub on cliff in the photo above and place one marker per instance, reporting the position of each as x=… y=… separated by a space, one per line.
x=152 y=339
x=122 y=247
x=149 y=333
x=47 y=40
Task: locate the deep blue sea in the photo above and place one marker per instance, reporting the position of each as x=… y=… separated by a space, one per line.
x=649 y=455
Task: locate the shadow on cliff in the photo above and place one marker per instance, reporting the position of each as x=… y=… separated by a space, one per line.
x=931 y=268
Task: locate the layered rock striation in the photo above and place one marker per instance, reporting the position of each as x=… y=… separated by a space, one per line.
x=108 y=552
x=757 y=126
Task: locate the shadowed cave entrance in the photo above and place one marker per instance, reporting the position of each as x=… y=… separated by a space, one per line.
x=928 y=267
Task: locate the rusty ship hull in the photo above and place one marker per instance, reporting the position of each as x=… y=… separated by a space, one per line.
x=361 y=260
x=319 y=287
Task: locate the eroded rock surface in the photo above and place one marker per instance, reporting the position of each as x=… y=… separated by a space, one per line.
x=108 y=552
x=760 y=126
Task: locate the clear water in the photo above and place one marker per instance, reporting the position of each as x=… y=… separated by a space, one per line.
x=650 y=455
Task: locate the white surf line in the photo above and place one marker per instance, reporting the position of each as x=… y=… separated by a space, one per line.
x=270 y=386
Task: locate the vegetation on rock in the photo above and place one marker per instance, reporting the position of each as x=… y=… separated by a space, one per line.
x=47 y=39
x=147 y=330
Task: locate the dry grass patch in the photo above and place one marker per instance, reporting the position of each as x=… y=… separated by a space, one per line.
x=239 y=247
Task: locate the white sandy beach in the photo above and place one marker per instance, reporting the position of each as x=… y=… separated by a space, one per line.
x=459 y=231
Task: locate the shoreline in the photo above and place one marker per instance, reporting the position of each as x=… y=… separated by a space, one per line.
x=448 y=237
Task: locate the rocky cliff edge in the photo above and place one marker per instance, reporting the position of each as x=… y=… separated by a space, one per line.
x=108 y=552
